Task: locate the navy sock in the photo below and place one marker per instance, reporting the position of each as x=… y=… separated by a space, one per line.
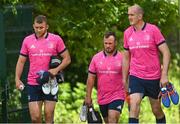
x=133 y=120
x=161 y=120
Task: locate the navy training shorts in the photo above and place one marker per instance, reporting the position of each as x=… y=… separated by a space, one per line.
x=35 y=93
x=114 y=105
x=149 y=88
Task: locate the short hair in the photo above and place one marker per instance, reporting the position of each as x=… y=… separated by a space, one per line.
x=40 y=19
x=108 y=34
x=138 y=8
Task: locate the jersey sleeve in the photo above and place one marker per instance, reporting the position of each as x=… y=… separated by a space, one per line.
x=92 y=67
x=24 y=48
x=60 y=45
x=158 y=37
x=126 y=46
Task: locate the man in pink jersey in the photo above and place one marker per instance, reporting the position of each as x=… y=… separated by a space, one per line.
x=142 y=43
x=39 y=47
x=106 y=66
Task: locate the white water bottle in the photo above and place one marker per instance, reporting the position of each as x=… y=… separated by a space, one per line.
x=21 y=87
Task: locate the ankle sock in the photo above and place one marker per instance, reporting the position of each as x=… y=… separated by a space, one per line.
x=161 y=120
x=133 y=120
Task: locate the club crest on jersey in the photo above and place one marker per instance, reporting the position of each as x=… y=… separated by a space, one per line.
x=50 y=45
x=41 y=50
x=146 y=37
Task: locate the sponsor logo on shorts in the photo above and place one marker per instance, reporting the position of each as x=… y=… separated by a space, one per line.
x=55 y=97
x=119 y=107
x=129 y=90
x=29 y=98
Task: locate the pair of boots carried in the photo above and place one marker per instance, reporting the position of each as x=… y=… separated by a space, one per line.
x=89 y=114
x=50 y=83
x=169 y=94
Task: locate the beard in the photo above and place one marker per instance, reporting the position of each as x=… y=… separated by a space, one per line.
x=109 y=50
x=131 y=23
x=40 y=34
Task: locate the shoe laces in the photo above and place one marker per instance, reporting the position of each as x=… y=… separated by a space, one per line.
x=53 y=82
x=170 y=89
x=84 y=110
x=164 y=93
x=46 y=85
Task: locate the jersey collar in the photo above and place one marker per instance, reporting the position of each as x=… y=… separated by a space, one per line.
x=142 y=27
x=115 y=53
x=45 y=36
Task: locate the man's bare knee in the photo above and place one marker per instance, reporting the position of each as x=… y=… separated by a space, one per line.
x=134 y=110
x=49 y=117
x=36 y=119
x=158 y=113
x=112 y=120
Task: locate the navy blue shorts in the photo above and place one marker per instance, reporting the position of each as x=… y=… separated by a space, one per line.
x=35 y=93
x=149 y=88
x=114 y=105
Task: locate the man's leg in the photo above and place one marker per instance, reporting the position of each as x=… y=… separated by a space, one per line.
x=136 y=91
x=113 y=116
x=49 y=107
x=114 y=110
x=104 y=112
x=35 y=109
x=35 y=103
x=105 y=120
x=157 y=110
x=135 y=101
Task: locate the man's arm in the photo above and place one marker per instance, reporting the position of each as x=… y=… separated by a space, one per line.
x=89 y=86
x=125 y=68
x=19 y=69
x=66 y=60
x=166 y=59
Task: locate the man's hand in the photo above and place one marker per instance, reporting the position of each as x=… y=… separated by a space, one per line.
x=88 y=101
x=164 y=80
x=53 y=71
x=125 y=83
x=19 y=83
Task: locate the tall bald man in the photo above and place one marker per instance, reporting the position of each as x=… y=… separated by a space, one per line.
x=142 y=43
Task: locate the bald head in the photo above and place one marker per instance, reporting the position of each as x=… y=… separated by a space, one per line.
x=137 y=9
x=135 y=16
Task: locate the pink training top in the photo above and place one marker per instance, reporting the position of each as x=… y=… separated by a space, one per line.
x=39 y=52
x=143 y=47
x=108 y=70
